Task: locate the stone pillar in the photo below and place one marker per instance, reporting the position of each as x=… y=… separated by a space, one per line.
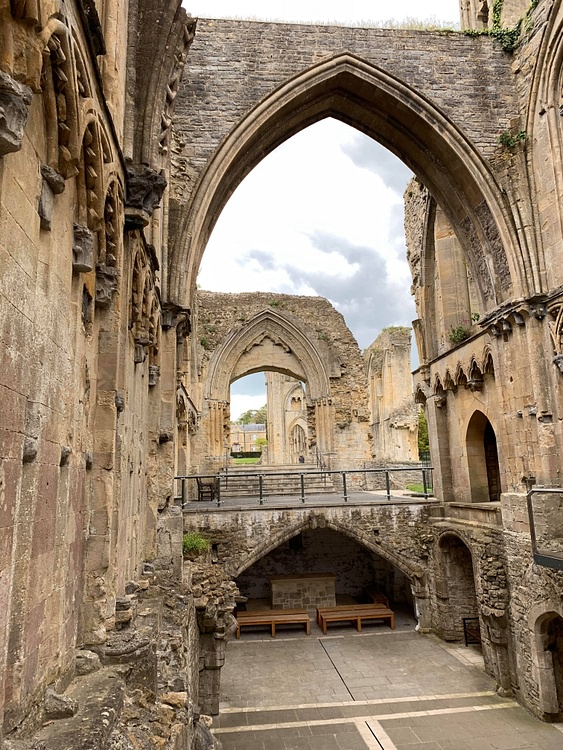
x=324 y=423
x=217 y=429
x=497 y=632
x=437 y=418
x=212 y=657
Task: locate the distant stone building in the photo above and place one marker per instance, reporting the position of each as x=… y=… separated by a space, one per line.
x=244 y=436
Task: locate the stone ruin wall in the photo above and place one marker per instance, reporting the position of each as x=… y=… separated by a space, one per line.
x=394 y=414
x=217 y=314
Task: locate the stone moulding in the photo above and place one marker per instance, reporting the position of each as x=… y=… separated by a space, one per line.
x=15 y=99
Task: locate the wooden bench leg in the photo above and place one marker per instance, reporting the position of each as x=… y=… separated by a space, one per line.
x=359 y=624
x=308 y=627
x=238 y=631
x=392 y=619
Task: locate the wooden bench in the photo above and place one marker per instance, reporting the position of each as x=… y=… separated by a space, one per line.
x=273 y=617
x=342 y=607
x=354 y=613
x=377 y=596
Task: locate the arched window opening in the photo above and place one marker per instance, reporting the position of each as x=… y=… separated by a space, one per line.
x=483 y=460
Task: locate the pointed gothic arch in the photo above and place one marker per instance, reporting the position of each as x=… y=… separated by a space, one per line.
x=404 y=121
x=293 y=352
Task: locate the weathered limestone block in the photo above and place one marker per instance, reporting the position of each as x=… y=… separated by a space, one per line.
x=15 y=99
x=86 y=662
x=99 y=697
x=59 y=706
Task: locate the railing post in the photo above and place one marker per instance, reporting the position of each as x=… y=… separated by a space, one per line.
x=345 y=486
x=302 y=487
x=388 y=485
x=183 y=492
x=424 y=486
x=218 y=487
x=261 y=488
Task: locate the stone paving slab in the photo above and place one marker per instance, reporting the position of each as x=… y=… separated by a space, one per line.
x=377 y=691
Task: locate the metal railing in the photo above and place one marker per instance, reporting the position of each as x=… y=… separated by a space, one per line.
x=259 y=479
x=545 y=521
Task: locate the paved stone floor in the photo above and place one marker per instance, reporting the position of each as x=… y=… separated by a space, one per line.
x=375 y=690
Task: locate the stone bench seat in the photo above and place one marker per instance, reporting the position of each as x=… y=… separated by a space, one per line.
x=354 y=613
x=273 y=617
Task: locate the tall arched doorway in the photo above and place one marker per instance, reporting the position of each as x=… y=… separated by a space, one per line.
x=455 y=590
x=549 y=660
x=483 y=460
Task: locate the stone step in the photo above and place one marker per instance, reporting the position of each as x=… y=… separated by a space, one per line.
x=234 y=485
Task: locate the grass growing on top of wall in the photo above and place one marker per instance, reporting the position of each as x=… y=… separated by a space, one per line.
x=412 y=24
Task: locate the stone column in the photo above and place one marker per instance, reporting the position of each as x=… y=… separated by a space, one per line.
x=324 y=423
x=437 y=418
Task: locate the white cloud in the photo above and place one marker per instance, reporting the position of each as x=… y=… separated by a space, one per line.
x=241 y=403
x=316 y=218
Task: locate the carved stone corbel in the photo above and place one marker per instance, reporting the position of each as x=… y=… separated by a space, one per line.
x=107 y=279
x=145 y=188
x=15 y=99
x=154 y=374
x=82 y=250
x=53 y=184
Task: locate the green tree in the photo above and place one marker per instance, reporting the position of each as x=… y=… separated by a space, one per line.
x=254 y=416
x=261 y=443
x=423 y=444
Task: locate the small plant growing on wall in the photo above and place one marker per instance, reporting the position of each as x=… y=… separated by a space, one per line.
x=510 y=141
x=194 y=544
x=458 y=334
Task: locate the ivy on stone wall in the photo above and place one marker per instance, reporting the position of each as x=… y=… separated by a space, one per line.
x=508 y=38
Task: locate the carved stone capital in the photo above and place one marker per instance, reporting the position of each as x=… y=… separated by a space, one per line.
x=15 y=99
x=154 y=374
x=558 y=360
x=145 y=188
x=174 y=315
x=474 y=385
x=82 y=250
x=107 y=279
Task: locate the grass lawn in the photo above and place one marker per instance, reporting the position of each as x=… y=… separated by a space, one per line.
x=419 y=488
x=245 y=460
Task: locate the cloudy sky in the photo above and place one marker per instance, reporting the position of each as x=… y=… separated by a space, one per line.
x=323 y=214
